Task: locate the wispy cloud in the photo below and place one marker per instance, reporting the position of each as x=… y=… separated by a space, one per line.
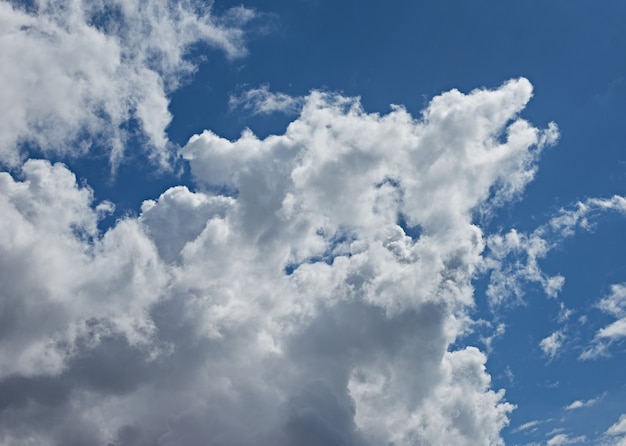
x=615 y=305
x=261 y=101
x=561 y=439
x=580 y=403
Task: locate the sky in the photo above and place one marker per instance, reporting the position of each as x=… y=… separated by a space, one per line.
x=306 y=222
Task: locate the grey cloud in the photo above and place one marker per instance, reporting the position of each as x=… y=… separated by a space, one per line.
x=296 y=310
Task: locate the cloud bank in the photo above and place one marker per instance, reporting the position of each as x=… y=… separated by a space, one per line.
x=314 y=300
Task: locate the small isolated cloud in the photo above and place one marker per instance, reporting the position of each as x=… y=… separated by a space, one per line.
x=527 y=426
x=564 y=313
x=561 y=439
x=261 y=101
x=615 y=302
x=615 y=305
x=556 y=430
x=578 y=404
x=551 y=344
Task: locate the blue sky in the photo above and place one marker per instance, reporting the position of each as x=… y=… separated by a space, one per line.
x=312 y=222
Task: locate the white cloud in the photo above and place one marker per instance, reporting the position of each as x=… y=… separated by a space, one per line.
x=526 y=426
x=550 y=345
x=261 y=101
x=580 y=403
x=615 y=305
x=81 y=69
x=615 y=302
x=513 y=258
x=617 y=432
x=63 y=284
x=618 y=428
x=561 y=439
x=564 y=313
x=297 y=310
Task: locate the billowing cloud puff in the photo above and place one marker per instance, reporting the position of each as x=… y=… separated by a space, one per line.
x=78 y=71
x=314 y=300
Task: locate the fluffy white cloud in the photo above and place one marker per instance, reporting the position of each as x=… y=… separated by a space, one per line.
x=63 y=285
x=316 y=302
x=81 y=70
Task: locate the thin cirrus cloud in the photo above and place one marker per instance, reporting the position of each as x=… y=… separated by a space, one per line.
x=282 y=313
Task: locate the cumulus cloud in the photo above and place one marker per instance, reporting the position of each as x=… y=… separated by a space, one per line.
x=81 y=71
x=64 y=285
x=315 y=300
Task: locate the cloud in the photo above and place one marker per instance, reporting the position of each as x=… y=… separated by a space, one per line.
x=618 y=428
x=508 y=278
x=63 y=283
x=83 y=70
x=618 y=431
x=315 y=300
x=615 y=305
x=579 y=403
x=561 y=439
x=261 y=101
x=512 y=260
x=551 y=344
x=529 y=425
